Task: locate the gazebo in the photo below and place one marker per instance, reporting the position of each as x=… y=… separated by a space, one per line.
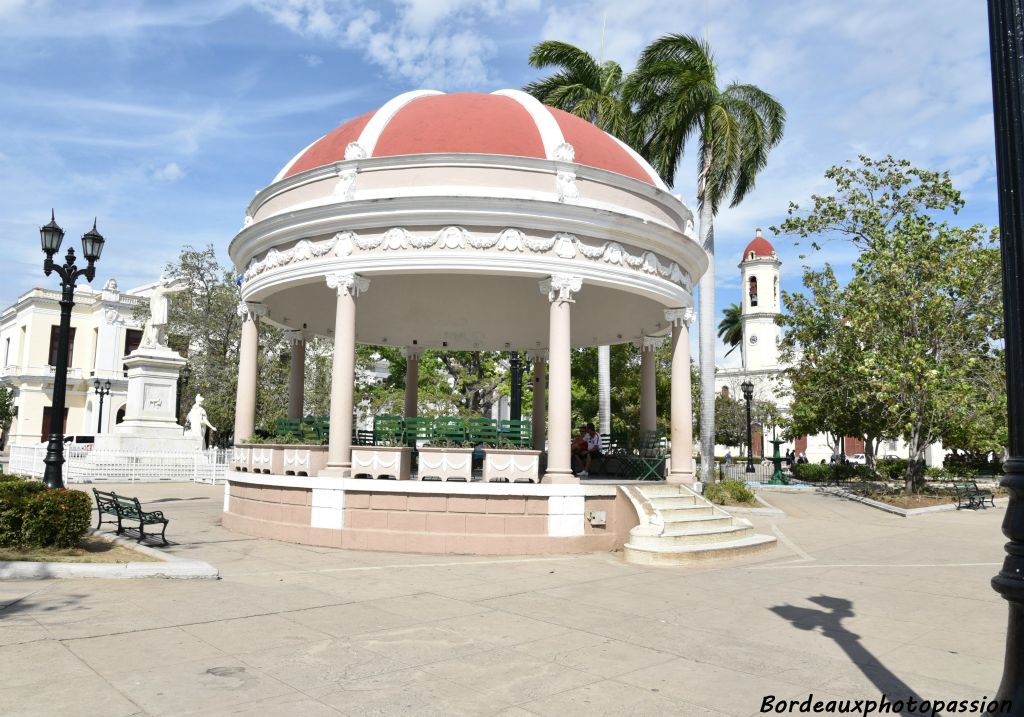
x=462 y=222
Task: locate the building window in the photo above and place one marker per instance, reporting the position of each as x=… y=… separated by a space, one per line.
x=132 y=339
x=753 y=290
x=55 y=344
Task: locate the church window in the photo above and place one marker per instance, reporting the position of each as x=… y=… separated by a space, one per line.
x=775 y=290
x=753 y=291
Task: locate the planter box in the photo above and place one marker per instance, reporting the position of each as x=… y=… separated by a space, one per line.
x=262 y=459
x=382 y=461
x=304 y=460
x=511 y=463
x=240 y=456
x=446 y=463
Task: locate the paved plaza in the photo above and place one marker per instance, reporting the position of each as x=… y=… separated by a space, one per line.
x=854 y=602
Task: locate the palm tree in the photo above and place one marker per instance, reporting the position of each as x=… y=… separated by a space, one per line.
x=676 y=96
x=591 y=90
x=730 y=328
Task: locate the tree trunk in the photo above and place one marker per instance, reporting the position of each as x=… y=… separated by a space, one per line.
x=870 y=444
x=604 y=389
x=915 y=464
x=706 y=287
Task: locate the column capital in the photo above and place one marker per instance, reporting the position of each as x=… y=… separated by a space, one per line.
x=650 y=343
x=412 y=353
x=251 y=310
x=683 y=316
x=537 y=355
x=561 y=287
x=348 y=283
x=295 y=336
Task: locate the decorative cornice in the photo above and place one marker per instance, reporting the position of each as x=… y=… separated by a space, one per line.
x=561 y=287
x=651 y=343
x=348 y=283
x=565 y=246
x=684 y=315
x=251 y=310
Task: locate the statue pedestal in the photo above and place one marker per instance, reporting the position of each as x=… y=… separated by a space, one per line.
x=149 y=422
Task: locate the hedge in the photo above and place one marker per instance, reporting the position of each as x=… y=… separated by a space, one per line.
x=32 y=516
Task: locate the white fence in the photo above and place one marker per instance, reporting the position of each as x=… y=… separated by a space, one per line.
x=82 y=464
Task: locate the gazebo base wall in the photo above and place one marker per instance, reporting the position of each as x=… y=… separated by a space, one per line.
x=425 y=517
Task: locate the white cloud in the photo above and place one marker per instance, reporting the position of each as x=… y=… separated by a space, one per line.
x=170 y=172
x=312 y=60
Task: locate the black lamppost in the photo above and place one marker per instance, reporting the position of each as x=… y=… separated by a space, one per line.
x=515 y=410
x=182 y=382
x=1006 y=33
x=50 y=236
x=102 y=389
x=748 y=395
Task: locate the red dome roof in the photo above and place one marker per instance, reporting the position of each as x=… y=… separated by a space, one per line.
x=759 y=247
x=509 y=122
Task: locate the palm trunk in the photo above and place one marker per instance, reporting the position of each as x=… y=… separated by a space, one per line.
x=706 y=287
x=604 y=389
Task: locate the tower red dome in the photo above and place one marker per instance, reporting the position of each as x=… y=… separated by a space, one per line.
x=507 y=122
x=759 y=248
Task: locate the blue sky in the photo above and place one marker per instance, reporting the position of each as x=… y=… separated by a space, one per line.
x=164 y=118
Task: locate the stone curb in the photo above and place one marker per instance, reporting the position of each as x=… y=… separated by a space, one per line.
x=170 y=566
x=902 y=512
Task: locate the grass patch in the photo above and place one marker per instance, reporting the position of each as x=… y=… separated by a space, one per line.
x=89 y=550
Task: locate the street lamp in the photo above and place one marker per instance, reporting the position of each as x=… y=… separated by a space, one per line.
x=102 y=389
x=50 y=237
x=182 y=382
x=748 y=395
x=1006 y=33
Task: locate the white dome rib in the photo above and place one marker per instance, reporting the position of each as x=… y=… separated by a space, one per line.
x=375 y=127
x=550 y=133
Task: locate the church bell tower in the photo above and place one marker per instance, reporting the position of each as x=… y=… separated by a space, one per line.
x=761 y=305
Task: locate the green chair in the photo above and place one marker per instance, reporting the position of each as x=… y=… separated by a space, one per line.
x=388 y=431
x=288 y=427
x=515 y=434
x=650 y=456
x=482 y=431
x=418 y=430
x=451 y=430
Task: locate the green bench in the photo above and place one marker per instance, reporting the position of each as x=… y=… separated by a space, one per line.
x=124 y=508
x=969 y=495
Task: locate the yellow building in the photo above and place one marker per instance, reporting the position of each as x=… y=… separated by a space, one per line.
x=104 y=329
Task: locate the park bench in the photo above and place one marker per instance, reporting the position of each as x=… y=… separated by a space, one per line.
x=970 y=496
x=124 y=508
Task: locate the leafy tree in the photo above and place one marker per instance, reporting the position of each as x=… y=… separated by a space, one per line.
x=676 y=94
x=921 y=319
x=730 y=421
x=6 y=412
x=730 y=328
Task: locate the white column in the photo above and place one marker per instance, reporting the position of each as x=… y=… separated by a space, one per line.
x=648 y=384
x=412 y=379
x=559 y=290
x=248 y=351
x=540 y=367
x=681 y=469
x=339 y=439
x=297 y=374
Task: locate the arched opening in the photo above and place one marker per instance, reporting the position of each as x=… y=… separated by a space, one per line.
x=753 y=290
x=119 y=417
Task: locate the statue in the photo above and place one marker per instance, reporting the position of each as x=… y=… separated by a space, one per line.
x=197 y=422
x=154 y=334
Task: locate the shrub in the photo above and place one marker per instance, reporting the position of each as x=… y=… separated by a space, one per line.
x=893 y=469
x=732 y=490
x=812 y=472
x=33 y=516
x=56 y=518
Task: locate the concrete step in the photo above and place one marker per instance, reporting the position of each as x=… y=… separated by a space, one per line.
x=671 y=515
x=698 y=523
x=696 y=537
x=682 y=555
x=652 y=490
x=669 y=502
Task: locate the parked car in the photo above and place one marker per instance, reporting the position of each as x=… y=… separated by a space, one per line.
x=890 y=457
x=857 y=459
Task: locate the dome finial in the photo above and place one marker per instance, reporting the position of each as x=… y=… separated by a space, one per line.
x=758 y=233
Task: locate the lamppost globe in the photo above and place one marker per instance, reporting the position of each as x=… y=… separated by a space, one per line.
x=92 y=244
x=748 y=390
x=50 y=236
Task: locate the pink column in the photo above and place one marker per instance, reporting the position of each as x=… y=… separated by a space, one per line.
x=339 y=439
x=540 y=381
x=412 y=380
x=248 y=351
x=681 y=469
x=648 y=384
x=297 y=374
x=559 y=290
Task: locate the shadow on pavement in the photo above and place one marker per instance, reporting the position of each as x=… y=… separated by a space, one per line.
x=830 y=622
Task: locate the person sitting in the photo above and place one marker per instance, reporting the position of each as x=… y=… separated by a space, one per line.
x=593 y=448
x=579 y=449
